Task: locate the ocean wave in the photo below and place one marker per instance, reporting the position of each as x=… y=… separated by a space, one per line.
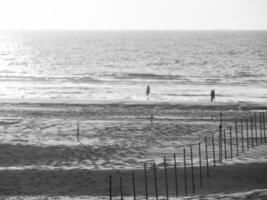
x=6 y=121
x=150 y=76
x=159 y=63
x=82 y=79
x=7 y=71
x=73 y=79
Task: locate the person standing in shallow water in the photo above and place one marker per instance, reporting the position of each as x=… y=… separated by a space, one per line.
x=147 y=92
x=212 y=95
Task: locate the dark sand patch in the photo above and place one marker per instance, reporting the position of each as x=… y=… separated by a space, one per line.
x=233 y=178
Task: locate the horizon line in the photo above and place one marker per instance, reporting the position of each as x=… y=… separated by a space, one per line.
x=226 y=29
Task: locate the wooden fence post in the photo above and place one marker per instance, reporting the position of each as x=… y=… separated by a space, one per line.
x=242 y=136
x=185 y=176
x=192 y=171
x=155 y=180
x=207 y=158
x=247 y=133
x=260 y=127
x=231 y=144
x=121 y=188
x=78 y=132
x=264 y=129
x=225 y=149
x=133 y=180
x=146 y=190
x=213 y=149
x=110 y=187
x=166 y=178
x=175 y=174
x=252 y=135
x=200 y=164
x=220 y=139
x=236 y=139
x=256 y=131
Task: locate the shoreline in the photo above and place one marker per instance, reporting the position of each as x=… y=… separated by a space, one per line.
x=196 y=104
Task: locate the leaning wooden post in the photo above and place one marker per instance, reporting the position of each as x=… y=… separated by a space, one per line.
x=252 y=135
x=236 y=139
x=231 y=144
x=213 y=150
x=247 y=133
x=192 y=171
x=200 y=164
x=264 y=129
x=146 y=190
x=155 y=181
x=166 y=178
x=185 y=176
x=133 y=180
x=225 y=149
x=242 y=136
x=175 y=174
x=110 y=187
x=220 y=139
x=260 y=128
x=78 y=132
x=221 y=146
x=121 y=188
x=256 y=131
x=207 y=158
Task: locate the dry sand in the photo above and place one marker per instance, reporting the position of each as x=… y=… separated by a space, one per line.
x=39 y=153
x=112 y=135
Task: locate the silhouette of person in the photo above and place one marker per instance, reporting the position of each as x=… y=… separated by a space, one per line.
x=147 y=92
x=212 y=95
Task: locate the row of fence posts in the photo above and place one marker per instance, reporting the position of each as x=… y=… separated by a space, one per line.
x=244 y=138
x=251 y=128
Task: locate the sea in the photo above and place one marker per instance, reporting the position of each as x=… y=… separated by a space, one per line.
x=118 y=65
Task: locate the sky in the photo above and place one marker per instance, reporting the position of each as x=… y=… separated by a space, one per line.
x=133 y=14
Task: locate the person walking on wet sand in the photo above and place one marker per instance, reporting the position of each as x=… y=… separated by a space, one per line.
x=212 y=95
x=147 y=91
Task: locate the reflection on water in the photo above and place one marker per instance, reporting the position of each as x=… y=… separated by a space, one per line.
x=119 y=65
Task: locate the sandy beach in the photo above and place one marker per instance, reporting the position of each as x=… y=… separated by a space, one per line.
x=40 y=154
x=108 y=100
x=112 y=135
